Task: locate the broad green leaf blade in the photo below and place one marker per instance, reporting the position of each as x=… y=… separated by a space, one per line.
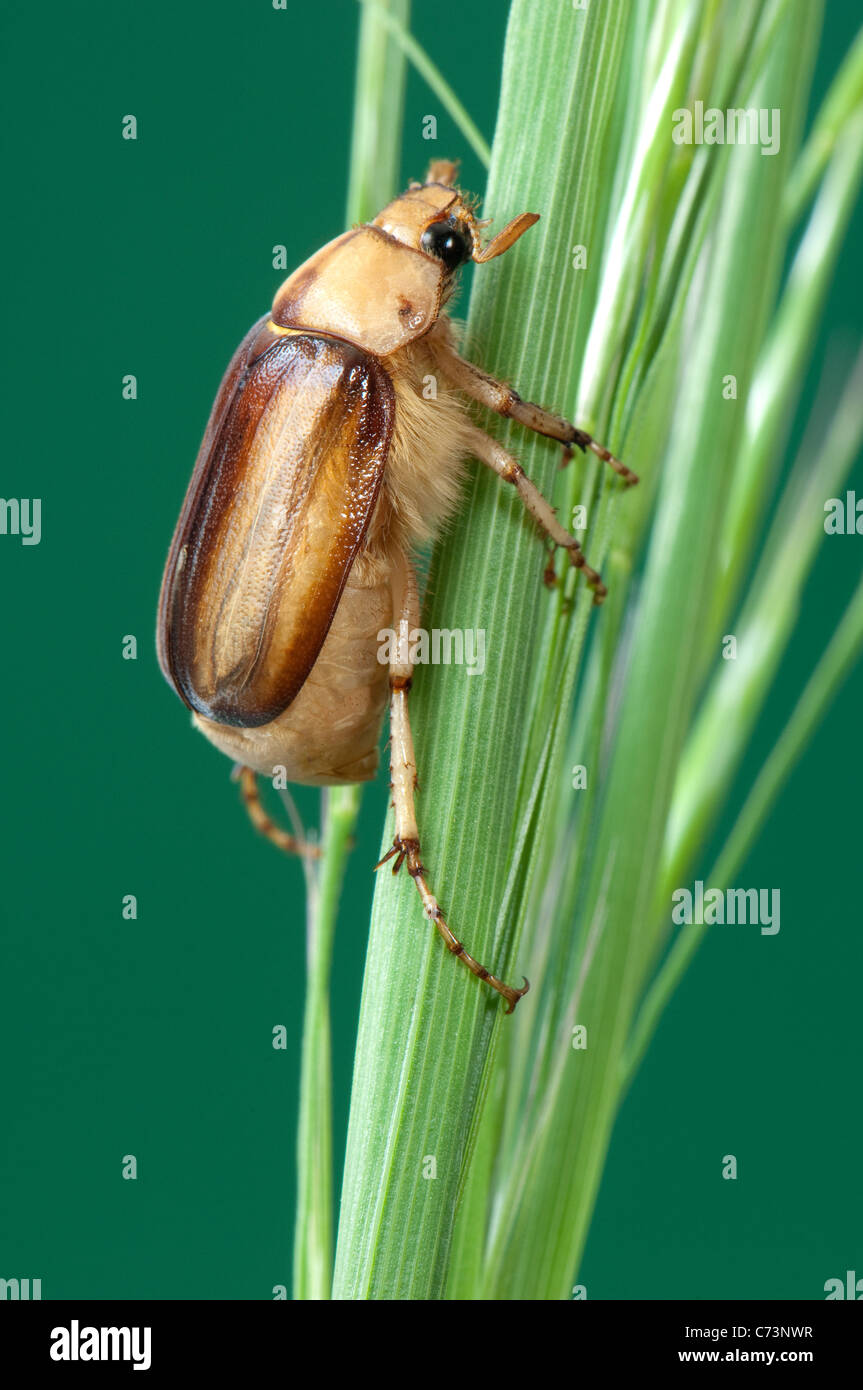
x=546 y=1196
x=426 y=1026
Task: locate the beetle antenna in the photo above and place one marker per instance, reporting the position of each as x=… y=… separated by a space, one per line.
x=504 y=240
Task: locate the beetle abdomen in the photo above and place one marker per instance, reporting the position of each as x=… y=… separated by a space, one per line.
x=329 y=734
x=278 y=506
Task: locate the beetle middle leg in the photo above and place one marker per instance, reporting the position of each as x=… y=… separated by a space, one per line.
x=509 y=470
x=503 y=400
x=265 y=825
x=403 y=775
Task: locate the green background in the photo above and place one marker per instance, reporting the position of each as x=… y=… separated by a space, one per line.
x=154 y=1037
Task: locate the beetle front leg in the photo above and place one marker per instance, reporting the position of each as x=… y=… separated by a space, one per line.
x=503 y=400
x=403 y=782
x=507 y=468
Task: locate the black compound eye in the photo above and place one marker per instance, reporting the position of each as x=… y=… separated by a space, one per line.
x=449 y=242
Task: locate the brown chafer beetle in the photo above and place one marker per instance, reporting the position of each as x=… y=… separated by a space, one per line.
x=322 y=466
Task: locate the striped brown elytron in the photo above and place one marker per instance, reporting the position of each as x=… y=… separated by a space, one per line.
x=279 y=503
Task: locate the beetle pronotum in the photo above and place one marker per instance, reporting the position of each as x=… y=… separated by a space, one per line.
x=322 y=466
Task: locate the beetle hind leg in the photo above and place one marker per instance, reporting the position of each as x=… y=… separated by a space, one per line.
x=409 y=851
x=265 y=825
x=403 y=774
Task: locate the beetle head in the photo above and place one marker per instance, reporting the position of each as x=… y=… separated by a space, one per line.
x=437 y=220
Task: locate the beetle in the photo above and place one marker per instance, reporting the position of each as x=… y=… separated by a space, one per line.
x=321 y=468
